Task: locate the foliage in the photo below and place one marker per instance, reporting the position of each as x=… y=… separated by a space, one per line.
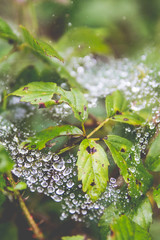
x=129 y=217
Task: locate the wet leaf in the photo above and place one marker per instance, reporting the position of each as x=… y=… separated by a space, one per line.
x=41 y=138
x=41 y=93
x=125 y=228
x=153 y=157
x=92 y=168
x=6 y=32
x=133 y=172
x=142 y=214
x=139 y=212
x=76 y=237
x=117 y=108
x=110 y=213
x=6 y=163
x=39 y=46
x=156 y=195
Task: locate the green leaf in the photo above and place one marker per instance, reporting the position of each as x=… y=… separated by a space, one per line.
x=117 y=108
x=39 y=93
x=6 y=163
x=139 y=212
x=6 y=32
x=76 y=237
x=77 y=102
x=128 y=117
x=41 y=138
x=21 y=186
x=153 y=157
x=124 y=228
x=142 y=215
x=92 y=168
x=156 y=195
x=42 y=93
x=134 y=174
x=39 y=46
x=110 y=213
x=116 y=102
x=84 y=40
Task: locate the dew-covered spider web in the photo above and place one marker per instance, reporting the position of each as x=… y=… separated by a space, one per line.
x=56 y=176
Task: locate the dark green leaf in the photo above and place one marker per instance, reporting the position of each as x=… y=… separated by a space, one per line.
x=42 y=93
x=133 y=172
x=92 y=168
x=6 y=163
x=156 y=196
x=6 y=32
x=77 y=237
x=153 y=156
x=40 y=46
x=125 y=229
x=41 y=138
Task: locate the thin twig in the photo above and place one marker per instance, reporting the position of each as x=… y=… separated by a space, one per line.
x=37 y=232
x=97 y=128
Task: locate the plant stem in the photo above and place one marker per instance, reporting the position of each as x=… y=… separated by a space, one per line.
x=4 y=105
x=66 y=149
x=97 y=128
x=37 y=232
x=84 y=130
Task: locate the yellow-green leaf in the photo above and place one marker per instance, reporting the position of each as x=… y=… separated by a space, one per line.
x=92 y=168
